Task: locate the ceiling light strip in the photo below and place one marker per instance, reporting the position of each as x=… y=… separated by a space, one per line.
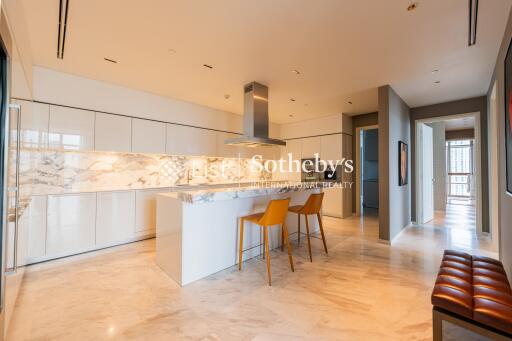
x=63 y=22
x=473 y=21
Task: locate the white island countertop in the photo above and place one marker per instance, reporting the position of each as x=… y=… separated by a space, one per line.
x=210 y=193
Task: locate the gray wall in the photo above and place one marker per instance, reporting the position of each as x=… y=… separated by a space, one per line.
x=439 y=161
x=394 y=126
x=505 y=199
x=465 y=106
x=357 y=122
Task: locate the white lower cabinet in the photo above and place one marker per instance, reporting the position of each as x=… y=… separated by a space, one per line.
x=71 y=224
x=333 y=202
x=34 y=246
x=145 y=210
x=115 y=217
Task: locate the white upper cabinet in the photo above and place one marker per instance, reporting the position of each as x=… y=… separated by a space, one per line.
x=182 y=140
x=148 y=136
x=115 y=219
x=224 y=150
x=331 y=147
x=71 y=129
x=311 y=146
x=34 y=124
x=113 y=133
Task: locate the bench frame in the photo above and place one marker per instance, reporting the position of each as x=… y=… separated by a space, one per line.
x=439 y=315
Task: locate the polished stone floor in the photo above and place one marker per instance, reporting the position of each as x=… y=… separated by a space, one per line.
x=363 y=290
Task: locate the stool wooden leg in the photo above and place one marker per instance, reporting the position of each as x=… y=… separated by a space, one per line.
x=282 y=237
x=322 y=231
x=298 y=228
x=265 y=229
x=309 y=241
x=437 y=326
x=240 y=252
x=263 y=254
x=288 y=246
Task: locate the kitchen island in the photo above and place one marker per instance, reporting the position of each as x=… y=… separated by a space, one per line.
x=197 y=228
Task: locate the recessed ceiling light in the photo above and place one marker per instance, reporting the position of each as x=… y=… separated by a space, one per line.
x=297 y=72
x=435 y=71
x=110 y=60
x=292 y=99
x=227 y=96
x=437 y=82
x=291 y=115
x=208 y=66
x=412 y=6
x=349 y=102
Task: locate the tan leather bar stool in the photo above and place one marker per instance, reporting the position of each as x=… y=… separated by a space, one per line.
x=312 y=206
x=275 y=214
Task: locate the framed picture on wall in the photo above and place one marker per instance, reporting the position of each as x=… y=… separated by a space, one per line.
x=508 y=118
x=403 y=163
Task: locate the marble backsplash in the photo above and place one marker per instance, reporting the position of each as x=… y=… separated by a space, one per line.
x=46 y=171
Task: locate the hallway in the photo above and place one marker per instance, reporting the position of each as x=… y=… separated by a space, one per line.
x=363 y=290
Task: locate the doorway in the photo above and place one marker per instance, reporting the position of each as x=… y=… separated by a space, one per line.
x=367 y=171
x=448 y=179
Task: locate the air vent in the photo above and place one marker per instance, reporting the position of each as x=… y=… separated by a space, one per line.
x=473 y=20
x=63 y=22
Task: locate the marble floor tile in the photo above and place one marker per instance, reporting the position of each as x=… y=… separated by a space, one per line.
x=362 y=290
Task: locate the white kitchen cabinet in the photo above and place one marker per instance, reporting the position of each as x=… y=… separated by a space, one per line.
x=113 y=133
x=293 y=147
x=36 y=231
x=145 y=210
x=311 y=146
x=71 y=129
x=148 y=136
x=224 y=150
x=331 y=147
x=115 y=217
x=34 y=124
x=332 y=204
x=183 y=140
x=71 y=224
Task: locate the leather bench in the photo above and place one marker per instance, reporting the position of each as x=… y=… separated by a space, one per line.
x=472 y=292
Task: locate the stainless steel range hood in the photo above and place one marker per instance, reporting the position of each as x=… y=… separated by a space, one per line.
x=255 y=119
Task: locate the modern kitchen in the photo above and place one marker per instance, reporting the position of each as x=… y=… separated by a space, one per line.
x=214 y=187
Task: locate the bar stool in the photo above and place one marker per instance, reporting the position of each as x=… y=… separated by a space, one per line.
x=312 y=206
x=275 y=214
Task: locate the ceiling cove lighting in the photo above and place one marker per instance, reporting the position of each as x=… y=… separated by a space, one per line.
x=473 y=20
x=63 y=22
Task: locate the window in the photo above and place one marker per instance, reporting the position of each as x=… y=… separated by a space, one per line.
x=459 y=162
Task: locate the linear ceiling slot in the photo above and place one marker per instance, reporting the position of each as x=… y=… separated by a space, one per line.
x=473 y=20
x=63 y=22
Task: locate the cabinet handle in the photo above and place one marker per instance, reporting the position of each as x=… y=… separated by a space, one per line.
x=14 y=268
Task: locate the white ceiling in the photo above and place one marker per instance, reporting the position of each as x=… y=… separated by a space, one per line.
x=344 y=49
x=467 y=122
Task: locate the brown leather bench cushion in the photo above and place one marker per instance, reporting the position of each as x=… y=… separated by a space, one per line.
x=474 y=287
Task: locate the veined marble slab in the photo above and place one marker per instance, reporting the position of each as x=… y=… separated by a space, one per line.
x=47 y=171
x=262 y=188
